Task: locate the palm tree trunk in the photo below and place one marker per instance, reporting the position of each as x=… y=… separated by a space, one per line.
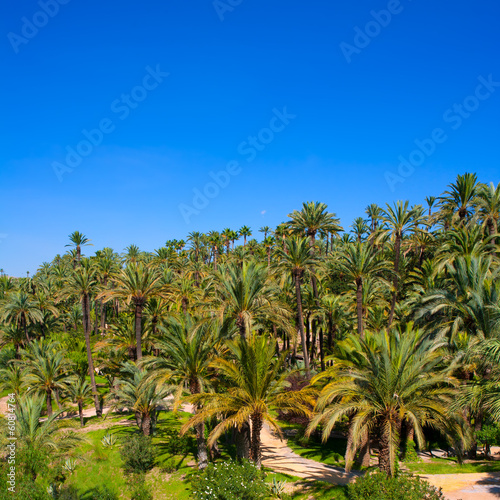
x=202 y=446
x=242 y=439
x=364 y=451
x=24 y=325
x=300 y=318
x=321 y=351
x=86 y=330
x=80 y=412
x=397 y=250
x=49 y=403
x=146 y=425
x=384 y=462
x=359 y=306
x=138 y=330
x=256 y=451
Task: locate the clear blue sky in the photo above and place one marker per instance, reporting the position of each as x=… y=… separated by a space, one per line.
x=354 y=107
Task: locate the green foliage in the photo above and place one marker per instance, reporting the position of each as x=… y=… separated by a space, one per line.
x=103 y=493
x=230 y=481
x=489 y=435
x=169 y=465
x=379 y=486
x=411 y=454
x=139 y=489
x=108 y=441
x=137 y=453
x=177 y=444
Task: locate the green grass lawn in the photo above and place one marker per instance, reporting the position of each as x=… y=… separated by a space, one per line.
x=451 y=466
x=103 y=466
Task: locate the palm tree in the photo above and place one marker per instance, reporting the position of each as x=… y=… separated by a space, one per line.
x=10 y=334
x=45 y=369
x=82 y=283
x=373 y=211
x=139 y=392
x=383 y=380
x=185 y=352
x=80 y=392
x=359 y=262
x=20 y=309
x=296 y=259
x=135 y=284
x=255 y=382
x=314 y=218
x=246 y=232
x=488 y=206
x=265 y=230
x=359 y=228
x=37 y=435
x=461 y=195
x=12 y=378
x=245 y=294
x=78 y=240
x=400 y=220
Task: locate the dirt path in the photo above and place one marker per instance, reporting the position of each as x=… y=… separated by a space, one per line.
x=278 y=456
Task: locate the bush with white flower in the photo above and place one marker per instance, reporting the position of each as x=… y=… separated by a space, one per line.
x=230 y=481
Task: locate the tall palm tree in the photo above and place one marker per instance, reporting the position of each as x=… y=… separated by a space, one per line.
x=383 y=380
x=255 y=381
x=373 y=211
x=185 y=351
x=266 y=230
x=297 y=259
x=82 y=284
x=400 y=220
x=314 y=218
x=78 y=240
x=359 y=262
x=135 y=284
x=359 y=228
x=461 y=195
x=246 y=232
x=488 y=206
x=45 y=369
x=21 y=310
x=246 y=295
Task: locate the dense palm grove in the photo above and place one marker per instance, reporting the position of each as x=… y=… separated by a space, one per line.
x=391 y=328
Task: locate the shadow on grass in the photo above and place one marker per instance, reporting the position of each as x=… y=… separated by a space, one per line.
x=331 y=452
x=320 y=491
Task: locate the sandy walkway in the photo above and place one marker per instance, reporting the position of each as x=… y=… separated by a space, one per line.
x=278 y=456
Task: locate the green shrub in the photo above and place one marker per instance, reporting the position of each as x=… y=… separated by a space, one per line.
x=169 y=465
x=103 y=493
x=230 y=481
x=137 y=453
x=411 y=454
x=139 y=489
x=176 y=444
x=379 y=486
